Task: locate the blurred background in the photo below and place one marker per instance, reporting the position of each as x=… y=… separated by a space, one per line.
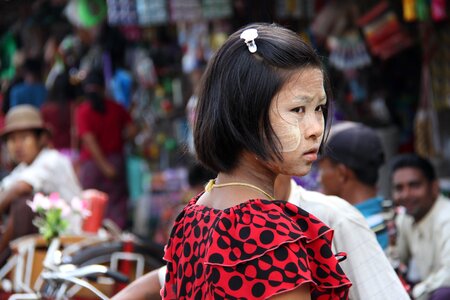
x=388 y=63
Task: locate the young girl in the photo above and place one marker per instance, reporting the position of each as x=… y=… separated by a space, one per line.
x=262 y=111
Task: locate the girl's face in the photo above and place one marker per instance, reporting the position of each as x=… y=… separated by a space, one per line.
x=296 y=115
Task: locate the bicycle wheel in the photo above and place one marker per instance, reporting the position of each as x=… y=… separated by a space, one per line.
x=101 y=253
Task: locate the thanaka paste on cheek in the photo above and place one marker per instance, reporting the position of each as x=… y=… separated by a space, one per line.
x=288 y=132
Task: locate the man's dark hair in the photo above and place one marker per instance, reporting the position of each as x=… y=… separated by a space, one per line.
x=368 y=176
x=62 y=90
x=96 y=79
x=37 y=132
x=236 y=92
x=33 y=66
x=359 y=148
x=412 y=160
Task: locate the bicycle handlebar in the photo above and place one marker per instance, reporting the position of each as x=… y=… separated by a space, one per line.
x=118 y=276
x=86 y=271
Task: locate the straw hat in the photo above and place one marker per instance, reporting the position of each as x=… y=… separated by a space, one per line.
x=22 y=117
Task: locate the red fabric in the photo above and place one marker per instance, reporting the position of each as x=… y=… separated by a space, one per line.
x=58 y=120
x=107 y=128
x=255 y=250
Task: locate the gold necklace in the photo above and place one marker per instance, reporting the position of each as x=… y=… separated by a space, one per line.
x=212 y=184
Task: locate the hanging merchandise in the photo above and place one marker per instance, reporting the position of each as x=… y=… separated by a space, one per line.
x=426 y=129
x=132 y=33
x=152 y=12
x=218 y=35
x=438 y=10
x=217 y=9
x=348 y=51
x=334 y=20
x=440 y=70
x=288 y=8
x=357 y=90
x=185 y=10
x=137 y=175
x=92 y=12
x=86 y=14
x=122 y=12
x=195 y=40
x=380 y=111
x=297 y=9
x=426 y=139
x=409 y=10
x=143 y=68
x=66 y=57
x=8 y=48
x=310 y=8
x=384 y=34
x=423 y=10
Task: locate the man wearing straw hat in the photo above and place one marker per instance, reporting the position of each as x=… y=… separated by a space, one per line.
x=38 y=169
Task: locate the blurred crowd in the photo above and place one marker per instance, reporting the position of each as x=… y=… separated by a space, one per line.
x=69 y=111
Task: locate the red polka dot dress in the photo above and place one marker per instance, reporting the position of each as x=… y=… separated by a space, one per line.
x=254 y=250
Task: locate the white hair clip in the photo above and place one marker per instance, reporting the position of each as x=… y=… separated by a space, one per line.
x=249 y=36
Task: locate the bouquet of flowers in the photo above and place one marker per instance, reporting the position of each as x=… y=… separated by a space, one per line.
x=54 y=213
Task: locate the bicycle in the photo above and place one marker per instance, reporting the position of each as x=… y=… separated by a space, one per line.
x=67 y=271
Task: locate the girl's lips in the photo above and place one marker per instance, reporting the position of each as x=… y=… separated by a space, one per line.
x=310 y=155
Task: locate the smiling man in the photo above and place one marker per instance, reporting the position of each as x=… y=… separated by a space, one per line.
x=424 y=227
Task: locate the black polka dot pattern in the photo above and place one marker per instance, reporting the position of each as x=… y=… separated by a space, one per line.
x=251 y=251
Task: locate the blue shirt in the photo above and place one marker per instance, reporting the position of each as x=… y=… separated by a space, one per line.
x=121 y=87
x=25 y=93
x=372 y=211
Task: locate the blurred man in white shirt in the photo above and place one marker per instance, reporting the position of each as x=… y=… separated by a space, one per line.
x=423 y=229
x=38 y=169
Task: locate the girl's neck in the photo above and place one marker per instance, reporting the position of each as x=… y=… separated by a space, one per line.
x=263 y=183
x=250 y=170
x=231 y=195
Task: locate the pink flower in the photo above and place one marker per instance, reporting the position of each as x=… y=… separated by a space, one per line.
x=39 y=201
x=64 y=207
x=54 y=199
x=80 y=206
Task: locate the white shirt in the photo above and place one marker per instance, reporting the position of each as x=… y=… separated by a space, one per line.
x=428 y=243
x=366 y=265
x=49 y=172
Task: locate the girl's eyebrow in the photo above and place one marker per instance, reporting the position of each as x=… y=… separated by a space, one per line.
x=309 y=99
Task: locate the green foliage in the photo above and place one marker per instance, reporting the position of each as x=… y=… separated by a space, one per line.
x=50 y=223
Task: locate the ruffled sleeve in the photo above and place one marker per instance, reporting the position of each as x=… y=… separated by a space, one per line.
x=272 y=247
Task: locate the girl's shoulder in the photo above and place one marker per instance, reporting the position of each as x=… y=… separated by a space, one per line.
x=262 y=226
x=280 y=244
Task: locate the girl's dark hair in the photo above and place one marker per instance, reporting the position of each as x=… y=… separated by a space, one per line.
x=412 y=160
x=237 y=89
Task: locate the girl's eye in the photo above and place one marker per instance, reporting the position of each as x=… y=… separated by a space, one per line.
x=298 y=109
x=321 y=108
